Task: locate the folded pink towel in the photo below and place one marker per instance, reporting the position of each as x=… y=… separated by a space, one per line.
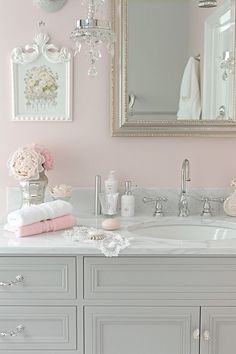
x=63 y=222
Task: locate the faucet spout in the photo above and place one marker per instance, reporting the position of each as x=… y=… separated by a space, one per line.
x=185 y=177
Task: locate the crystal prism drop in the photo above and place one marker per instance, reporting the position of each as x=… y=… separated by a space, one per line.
x=92 y=71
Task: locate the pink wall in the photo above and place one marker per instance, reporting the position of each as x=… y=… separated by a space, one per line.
x=84 y=148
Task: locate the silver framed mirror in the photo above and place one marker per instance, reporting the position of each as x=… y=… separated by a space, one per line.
x=135 y=111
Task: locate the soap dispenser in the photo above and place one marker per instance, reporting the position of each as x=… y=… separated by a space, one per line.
x=111 y=184
x=127 y=201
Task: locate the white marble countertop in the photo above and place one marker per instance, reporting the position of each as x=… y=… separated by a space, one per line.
x=56 y=244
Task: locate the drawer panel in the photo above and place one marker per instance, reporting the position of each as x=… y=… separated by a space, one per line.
x=160 y=278
x=43 y=278
x=38 y=328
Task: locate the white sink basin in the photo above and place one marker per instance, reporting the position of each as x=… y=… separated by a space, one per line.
x=189 y=230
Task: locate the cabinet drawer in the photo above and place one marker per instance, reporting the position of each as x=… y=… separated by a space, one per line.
x=160 y=278
x=43 y=278
x=37 y=328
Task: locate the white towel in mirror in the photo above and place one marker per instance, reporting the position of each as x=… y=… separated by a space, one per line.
x=190 y=98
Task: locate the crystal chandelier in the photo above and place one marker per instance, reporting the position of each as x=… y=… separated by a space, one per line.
x=207 y=3
x=91 y=32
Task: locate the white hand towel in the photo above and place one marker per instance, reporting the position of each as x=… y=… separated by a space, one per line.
x=40 y=212
x=190 y=98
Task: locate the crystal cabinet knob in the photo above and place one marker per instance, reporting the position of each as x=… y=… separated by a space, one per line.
x=14 y=332
x=196 y=334
x=19 y=279
x=206 y=335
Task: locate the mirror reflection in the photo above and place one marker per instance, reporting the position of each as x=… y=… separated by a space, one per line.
x=180 y=60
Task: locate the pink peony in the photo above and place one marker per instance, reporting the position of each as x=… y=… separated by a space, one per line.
x=29 y=161
x=48 y=163
x=26 y=163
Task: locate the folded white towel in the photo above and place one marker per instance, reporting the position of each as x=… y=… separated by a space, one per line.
x=40 y=212
x=190 y=98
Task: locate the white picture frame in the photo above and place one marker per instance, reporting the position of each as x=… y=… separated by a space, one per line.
x=42 y=82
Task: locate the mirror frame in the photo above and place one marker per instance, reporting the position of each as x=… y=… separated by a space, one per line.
x=121 y=126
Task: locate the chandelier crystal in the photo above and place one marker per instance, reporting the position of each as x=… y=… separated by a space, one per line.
x=91 y=33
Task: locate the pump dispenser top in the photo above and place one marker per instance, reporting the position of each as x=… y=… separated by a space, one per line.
x=128 y=188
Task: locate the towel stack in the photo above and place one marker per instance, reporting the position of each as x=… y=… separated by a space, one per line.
x=38 y=219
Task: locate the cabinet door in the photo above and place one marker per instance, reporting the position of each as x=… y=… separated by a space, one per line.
x=218 y=330
x=142 y=330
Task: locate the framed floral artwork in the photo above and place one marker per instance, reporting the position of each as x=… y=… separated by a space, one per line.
x=42 y=81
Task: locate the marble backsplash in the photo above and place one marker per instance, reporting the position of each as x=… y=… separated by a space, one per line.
x=83 y=200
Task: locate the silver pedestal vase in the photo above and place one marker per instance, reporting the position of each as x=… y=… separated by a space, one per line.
x=33 y=191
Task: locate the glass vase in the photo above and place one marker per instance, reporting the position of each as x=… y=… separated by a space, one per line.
x=33 y=191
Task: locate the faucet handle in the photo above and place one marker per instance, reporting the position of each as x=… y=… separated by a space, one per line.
x=158 y=211
x=207 y=209
x=217 y=199
x=150 y=199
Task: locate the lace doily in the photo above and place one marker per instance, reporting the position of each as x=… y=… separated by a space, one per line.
x=108 y=242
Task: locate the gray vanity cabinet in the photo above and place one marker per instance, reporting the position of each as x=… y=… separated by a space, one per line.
x=141 y=330
x=218 y=330
x=125 y=305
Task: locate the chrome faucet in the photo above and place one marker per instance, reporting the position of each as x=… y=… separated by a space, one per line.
x=185 y=177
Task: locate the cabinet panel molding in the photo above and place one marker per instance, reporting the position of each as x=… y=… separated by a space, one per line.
x=43 y=278
x=42 y=328
x=218 y=330
x=160 y=278
x=132 y=330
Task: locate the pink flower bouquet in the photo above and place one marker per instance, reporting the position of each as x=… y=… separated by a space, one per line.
x=27 y=162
